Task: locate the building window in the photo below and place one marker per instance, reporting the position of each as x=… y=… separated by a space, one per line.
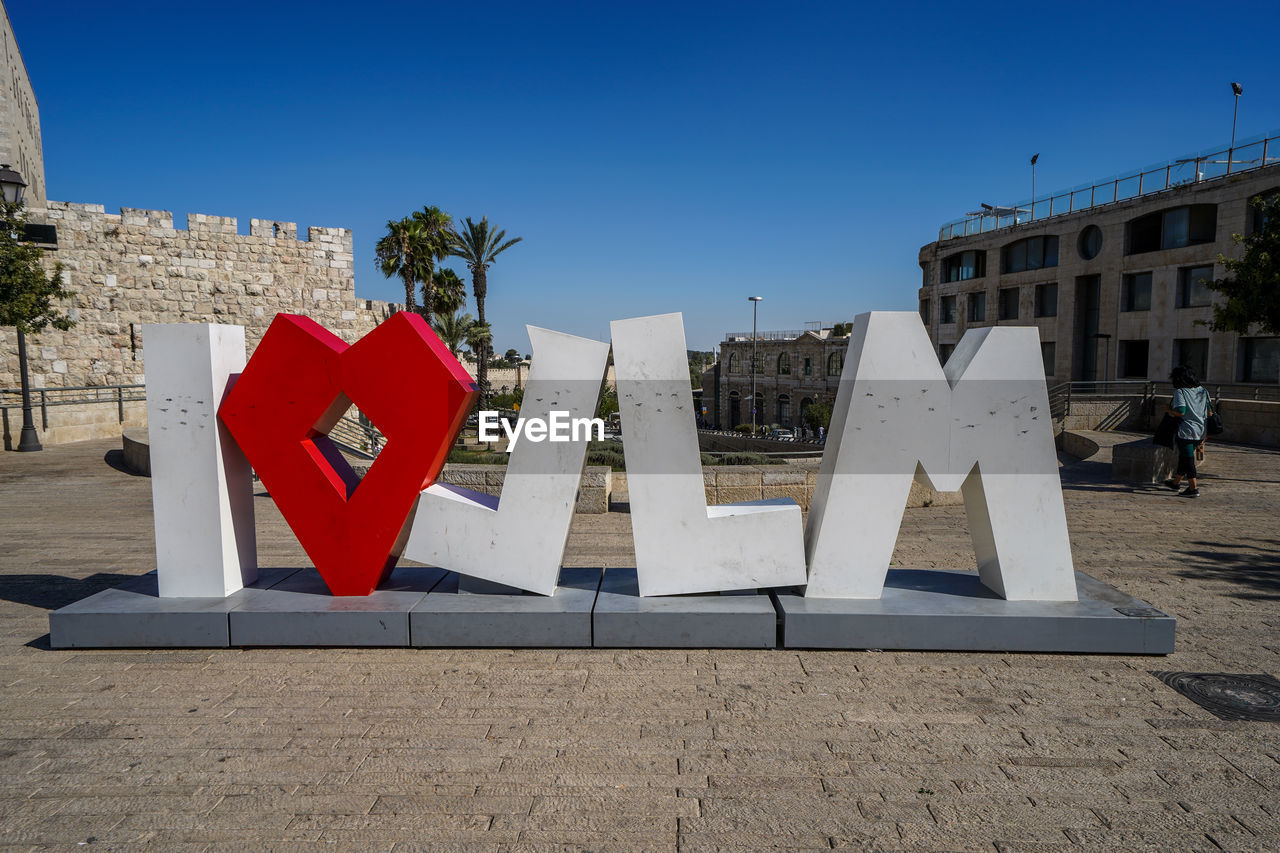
x=808 y=366
x=735 y=409
x=784 y=410
x=1032 y=253
x=1136 y=293
x=1049 y=355
x=1008 y=306
x=1255 y=219
x=1260 y=360
x=1133 y=359
x=924 y=311
x=757 y=363
x=964 y=266
x=1192 y=353
x=734 y=365
x=944 y=352
x=977 y=307
x=948 y=311
x=1047 y=300
x=1172 y=228
x=924 y=274
x=835 y=362
x=1090 y=242
x=784 y=364
x=1193 y=287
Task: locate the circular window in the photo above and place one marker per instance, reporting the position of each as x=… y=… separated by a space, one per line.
x=1090 y=242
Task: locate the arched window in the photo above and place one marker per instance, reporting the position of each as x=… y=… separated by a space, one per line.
x=733 y=362
x=757 y=363
x=835 y=362
x=1031 y=253
x=784 y=364
x=784 y=410
x=735 y=409
x=1172 y=228
x=759 y=408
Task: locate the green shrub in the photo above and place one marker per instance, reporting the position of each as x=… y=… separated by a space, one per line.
x=477 y=457
x=613 y=458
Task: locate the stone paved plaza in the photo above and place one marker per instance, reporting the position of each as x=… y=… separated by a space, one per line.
x=646 y=750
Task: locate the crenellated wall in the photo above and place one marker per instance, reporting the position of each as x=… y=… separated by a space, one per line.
x=135 y=267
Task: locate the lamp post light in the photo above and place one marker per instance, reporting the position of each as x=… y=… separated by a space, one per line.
x=12 y=186
x=1237 y=90
x=755 y=305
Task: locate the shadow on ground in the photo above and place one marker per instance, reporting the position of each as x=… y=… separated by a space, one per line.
x=54 y=591
x=115 y=458
x=1256 y=570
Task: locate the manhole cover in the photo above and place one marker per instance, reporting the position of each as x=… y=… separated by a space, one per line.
x=1229 y=697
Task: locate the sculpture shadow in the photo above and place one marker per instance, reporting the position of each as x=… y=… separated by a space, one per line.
x=115 y=459
x=54 y=591
x=1251 y=565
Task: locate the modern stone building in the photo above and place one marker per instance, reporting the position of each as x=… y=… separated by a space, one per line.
x=20 y=145
x=1113 y=274
x=793 y=369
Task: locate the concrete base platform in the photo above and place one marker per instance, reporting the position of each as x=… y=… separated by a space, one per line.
x=452 y=615
x=132 y=616
x=949 y=610
x=625 y=620
x=423 y=607
x=300 y=611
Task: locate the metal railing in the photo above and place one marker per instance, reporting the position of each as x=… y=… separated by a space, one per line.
x=74 y=395
x=1255 y=153
x=1061 y=395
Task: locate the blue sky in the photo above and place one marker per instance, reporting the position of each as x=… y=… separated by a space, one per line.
x=655 y=157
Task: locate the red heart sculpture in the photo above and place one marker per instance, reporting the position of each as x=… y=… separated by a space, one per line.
x=299 y=381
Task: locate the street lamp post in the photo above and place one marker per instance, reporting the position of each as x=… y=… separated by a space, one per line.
x=755 y=305
x=12 y=185
x=1237 y=90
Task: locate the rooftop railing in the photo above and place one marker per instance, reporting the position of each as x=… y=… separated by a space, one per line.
x=1208 y=165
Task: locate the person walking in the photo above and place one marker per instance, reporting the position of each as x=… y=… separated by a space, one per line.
x=1191 y=406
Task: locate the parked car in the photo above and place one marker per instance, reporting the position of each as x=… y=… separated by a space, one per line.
x=782 y=434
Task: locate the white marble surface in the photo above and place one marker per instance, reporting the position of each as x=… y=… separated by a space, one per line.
x=981 y=426
x=519 y=539
x=201 y=484
x=681 y=544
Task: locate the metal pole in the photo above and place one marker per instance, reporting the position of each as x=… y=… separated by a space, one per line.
x=755 y=306
x=1234 y=112
x=29 y=441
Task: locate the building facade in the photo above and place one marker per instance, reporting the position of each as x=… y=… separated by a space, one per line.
x=793 y=370
x=1112 y=275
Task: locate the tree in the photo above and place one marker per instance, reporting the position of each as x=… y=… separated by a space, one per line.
x=438 y=242
x=817 y=415
x=452 y=329
x=27 y=294
x=479 y=246
x=1252 y=284
x=512 y=356
x=450 y=292
x=403 y=251
x=478 y=337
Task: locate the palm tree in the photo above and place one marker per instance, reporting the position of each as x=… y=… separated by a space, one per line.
x=438 y=227
x=479 y=337
x=402 y=252
x=479 y=246
x=452 y=329
x=450 y=292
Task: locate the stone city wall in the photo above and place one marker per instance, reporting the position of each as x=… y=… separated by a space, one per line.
x=135 y=267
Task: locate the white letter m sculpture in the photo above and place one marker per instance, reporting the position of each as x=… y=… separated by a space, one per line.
x=980 y=426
